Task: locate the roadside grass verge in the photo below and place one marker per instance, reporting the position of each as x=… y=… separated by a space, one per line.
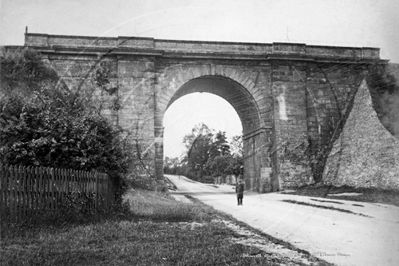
x=151 y=229
x=372 y=195
x=159 y=206
x=125 y=243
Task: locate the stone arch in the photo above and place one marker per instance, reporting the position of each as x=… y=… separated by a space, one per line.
x=171 y=79
x=233 y=92
x=238 y=87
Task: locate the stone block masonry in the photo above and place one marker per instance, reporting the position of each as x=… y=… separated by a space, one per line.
x=289 y=96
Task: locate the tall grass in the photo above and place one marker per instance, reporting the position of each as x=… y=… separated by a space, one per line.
x=159 y=206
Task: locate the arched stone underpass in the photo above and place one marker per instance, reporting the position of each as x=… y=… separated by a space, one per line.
x=255 y=148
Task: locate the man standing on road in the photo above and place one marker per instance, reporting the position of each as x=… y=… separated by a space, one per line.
x=240 y=191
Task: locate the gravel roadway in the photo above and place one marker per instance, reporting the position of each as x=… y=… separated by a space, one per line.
x=368 y=236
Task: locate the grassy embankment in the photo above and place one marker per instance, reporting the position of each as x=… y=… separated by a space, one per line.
x=153 y=229
x=372 y=195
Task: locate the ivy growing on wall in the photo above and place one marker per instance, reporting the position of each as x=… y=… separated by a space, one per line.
x=384 y=90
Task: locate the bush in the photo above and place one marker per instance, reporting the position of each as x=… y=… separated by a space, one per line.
x=43 y=123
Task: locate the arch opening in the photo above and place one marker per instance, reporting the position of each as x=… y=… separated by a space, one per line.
x=192 y=109
x=254 y=140
x=233 y=92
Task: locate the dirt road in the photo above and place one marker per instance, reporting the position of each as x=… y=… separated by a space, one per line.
x=367 y=235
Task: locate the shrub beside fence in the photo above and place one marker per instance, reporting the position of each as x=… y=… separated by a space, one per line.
x=25 y=191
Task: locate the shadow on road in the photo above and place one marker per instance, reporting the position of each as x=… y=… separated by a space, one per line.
x=199 y=193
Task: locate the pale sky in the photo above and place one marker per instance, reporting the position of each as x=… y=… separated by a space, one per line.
x=358 y=23
x=192 y=109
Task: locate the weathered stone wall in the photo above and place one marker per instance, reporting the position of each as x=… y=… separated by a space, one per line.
x=134 y=78
x=366 y=154
x=290 y=130
x=309 y=101
x=330 y=89
x=287 y=95
x=136 y=90
x=256 y=157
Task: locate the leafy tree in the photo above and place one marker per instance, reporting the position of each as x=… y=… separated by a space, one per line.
x=43 y=123
x=220 y=165
x=209 y=154
x=171 y=165
x=198 y=144
x=23 y=72
x=220 y=146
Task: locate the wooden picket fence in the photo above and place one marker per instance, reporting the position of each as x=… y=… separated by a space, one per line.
x=25 y=191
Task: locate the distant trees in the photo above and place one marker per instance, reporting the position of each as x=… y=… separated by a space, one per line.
x=208 y=155
x=172 y=166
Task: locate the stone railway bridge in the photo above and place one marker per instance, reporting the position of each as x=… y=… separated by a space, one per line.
x=287 y=95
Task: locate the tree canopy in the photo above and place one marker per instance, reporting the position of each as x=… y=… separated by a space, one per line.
x=207 y=154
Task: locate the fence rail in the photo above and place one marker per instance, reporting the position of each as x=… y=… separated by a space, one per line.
x=28 y=190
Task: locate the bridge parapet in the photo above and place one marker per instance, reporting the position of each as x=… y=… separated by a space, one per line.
x=121 y=44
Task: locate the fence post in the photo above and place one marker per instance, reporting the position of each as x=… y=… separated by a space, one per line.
x=4 y=189
x=67 y=183
x=47 y=180
x=84 y=194
x=13 y=193
x=92 y=195
x=2 y=175
x=22 y=189
x=57 y=187
x=106 y=196
x=29 y=190
x=52 y=187
x=35 y=193
x=111 y=191
x=42 y=189
x=96 y=190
